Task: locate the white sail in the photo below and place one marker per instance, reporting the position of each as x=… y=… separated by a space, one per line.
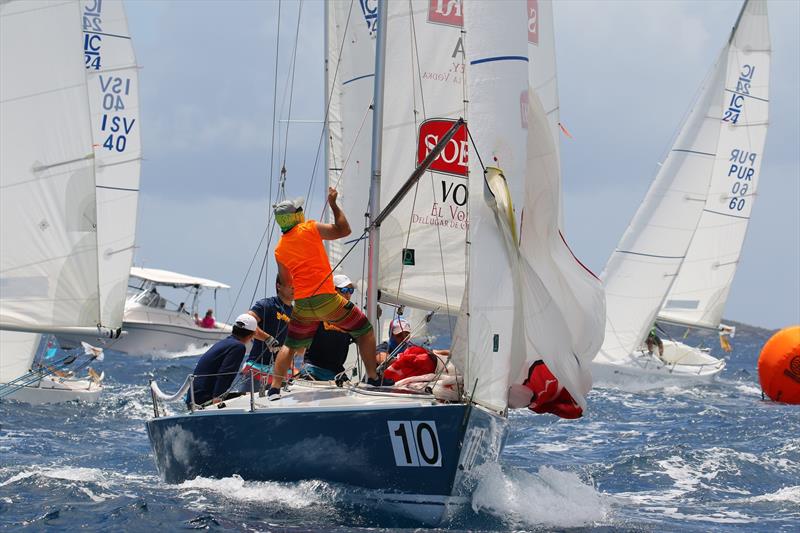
x=350 y=65
x=487 y=345
x=422 y=260
x=699 y=293
x=641 y=270
x=17 y=351
x=48 y=243
x=114 y=102
x=542 y=65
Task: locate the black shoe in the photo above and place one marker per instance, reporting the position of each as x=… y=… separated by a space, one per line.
x=273 y=394
x=380 y=382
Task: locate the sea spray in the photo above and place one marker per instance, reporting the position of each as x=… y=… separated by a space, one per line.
x=548 y=498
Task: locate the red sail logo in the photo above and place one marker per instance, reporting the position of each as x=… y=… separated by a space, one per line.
x=446 y=12
x=533 y=21
x=453 y=159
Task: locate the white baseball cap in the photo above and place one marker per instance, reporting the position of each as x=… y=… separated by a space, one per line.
x=340 y=281
x=246 y=321
x=400 y=325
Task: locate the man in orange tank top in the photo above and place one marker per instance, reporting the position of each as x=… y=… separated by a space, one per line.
x=303 y=263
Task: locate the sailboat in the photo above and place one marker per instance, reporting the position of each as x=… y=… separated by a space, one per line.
x=676 y=261
x=523 y=297
x=69 y=172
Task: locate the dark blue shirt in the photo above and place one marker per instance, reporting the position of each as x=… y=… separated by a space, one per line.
x=224 y=357
x=329 y=348
x=273 y=317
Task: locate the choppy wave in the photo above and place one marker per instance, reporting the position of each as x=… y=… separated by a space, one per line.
x=547 y=498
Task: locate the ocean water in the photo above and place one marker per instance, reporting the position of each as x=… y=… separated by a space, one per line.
x=704 y=458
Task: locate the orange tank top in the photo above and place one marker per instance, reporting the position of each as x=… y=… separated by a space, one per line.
x=301 y=251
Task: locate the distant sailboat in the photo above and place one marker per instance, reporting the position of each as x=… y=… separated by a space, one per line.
x=519 y=295
x=61 y=246
x=676 y=261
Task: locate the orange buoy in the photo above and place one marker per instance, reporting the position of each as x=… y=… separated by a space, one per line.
x=779 y=366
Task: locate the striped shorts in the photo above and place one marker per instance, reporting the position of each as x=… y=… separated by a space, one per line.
x=307 y=313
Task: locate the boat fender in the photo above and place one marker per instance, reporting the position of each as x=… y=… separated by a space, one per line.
x=779 y=366
x=542 y=393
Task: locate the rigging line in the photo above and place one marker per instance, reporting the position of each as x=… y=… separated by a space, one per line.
x=347 y=159
x=291 y=86
x=247 y=274
x=328 y=110
x=414 y=112
x=430 y=174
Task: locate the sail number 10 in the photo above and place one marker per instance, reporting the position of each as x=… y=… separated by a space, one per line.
x=415 y=443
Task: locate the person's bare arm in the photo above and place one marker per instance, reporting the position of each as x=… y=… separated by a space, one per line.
x=340 y=227
x=260 y=333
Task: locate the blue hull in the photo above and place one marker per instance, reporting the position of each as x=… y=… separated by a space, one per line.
x=421 y=451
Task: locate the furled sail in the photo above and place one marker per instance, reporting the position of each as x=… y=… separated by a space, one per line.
x=699 y=293
x=642 y=269
x=114 y=103
x=48 y=242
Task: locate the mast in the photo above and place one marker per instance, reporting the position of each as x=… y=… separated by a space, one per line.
x=375 y=168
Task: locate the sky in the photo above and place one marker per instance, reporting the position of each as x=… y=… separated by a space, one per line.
x=627 y=73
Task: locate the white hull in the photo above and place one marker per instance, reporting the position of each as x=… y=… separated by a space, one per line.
x=681 y=364
x=57 y=390
x=144 y=338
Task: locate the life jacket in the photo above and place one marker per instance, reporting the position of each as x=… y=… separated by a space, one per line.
x=413 y=361
x=548 y=395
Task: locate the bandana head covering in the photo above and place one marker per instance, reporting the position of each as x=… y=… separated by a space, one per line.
x=289 y=213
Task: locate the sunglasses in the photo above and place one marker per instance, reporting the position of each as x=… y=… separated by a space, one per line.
x=346 y=290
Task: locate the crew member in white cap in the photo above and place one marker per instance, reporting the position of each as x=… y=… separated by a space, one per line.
x=217 y=368
x=328 y=351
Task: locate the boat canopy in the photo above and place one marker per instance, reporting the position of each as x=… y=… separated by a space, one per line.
x=174 y=279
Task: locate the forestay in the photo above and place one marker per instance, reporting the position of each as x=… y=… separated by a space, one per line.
x=699 y=293
x=114 y=103
x=641 y=270
x=48 y=244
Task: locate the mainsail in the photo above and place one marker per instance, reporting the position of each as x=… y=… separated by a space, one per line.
x=699 y=293
x=48 y=243
x=114 y=103
x=696 y=180
x=422 y=242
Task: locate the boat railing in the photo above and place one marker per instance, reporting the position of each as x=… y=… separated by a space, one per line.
x=156 y=394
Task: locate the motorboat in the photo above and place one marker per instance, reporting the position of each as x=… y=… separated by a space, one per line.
x=153 y=324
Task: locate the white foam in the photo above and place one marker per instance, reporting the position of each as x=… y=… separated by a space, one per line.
x=550 y=497
x=786 y=494
x=293 y=495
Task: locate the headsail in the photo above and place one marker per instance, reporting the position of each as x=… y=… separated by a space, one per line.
x=487 y=344
x=699 y=293
x=114 y=102
x=48 y=243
